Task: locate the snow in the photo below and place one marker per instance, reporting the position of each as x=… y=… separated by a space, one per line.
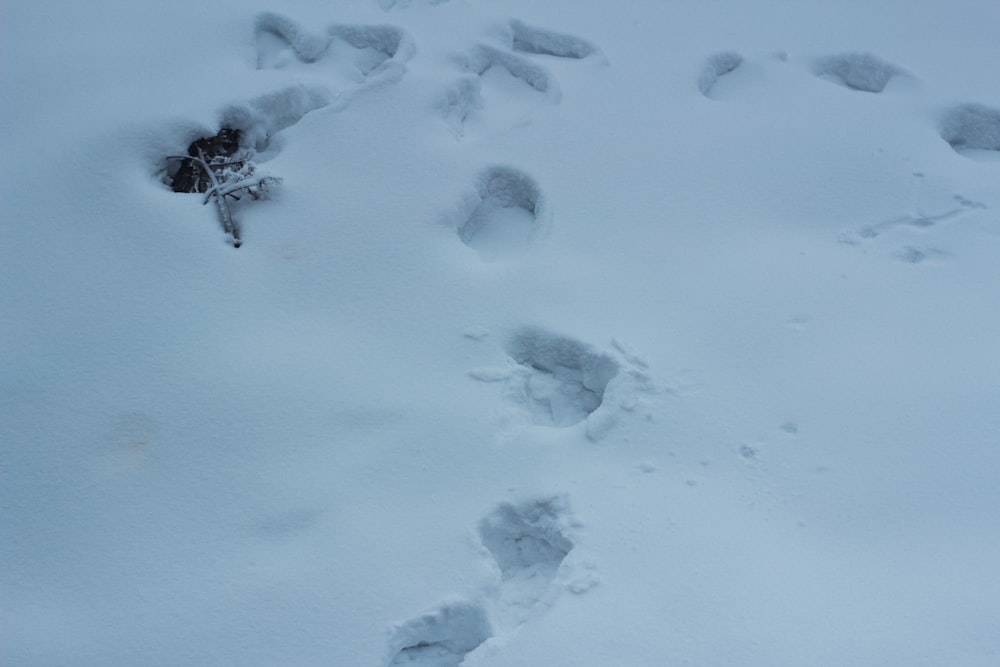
x=577 y=333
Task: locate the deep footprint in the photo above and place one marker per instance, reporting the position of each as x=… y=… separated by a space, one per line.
x=529 y=545
x=506 y=215
x=565 y=379
x=857 y=71
x=442 y=638
x=717 y=65
x=972 y=127
x=537 y=41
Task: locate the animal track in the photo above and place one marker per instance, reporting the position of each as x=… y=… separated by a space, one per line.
x=918 y=221
x=529 y=544
x=972 y=127
x=915 y=222
x=717 y=65
x=857 y=71
x=914 y=255
x=351 y=56
x=504 y=215
x=442 y=638
x=564 y=380
x=537 y=41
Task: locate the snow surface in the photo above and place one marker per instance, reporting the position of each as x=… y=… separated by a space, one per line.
x=578 y=333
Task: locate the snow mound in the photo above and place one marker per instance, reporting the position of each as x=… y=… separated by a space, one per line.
x=538 y=41
x=483 y=58
x=273 y=31
x=263 y=117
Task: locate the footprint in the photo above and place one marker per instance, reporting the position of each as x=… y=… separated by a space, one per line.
x=504 y=215
x=971 y=129
x=857 y=71
x=563 y=379
x=349 y=57
x=717 y=65
x=442 y=638
x=537 y=41
x=503 y=85
x=529 y=544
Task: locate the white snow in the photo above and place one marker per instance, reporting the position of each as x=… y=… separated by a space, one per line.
x=577 y=333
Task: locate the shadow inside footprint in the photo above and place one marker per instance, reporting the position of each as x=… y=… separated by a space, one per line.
x=528 y=543
x=972 y=127
x=528 y=39
x=565 y=381
x=526 y=540
x=857 y=71
x=442 y=638
x=717 y=65
x=506 y=214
